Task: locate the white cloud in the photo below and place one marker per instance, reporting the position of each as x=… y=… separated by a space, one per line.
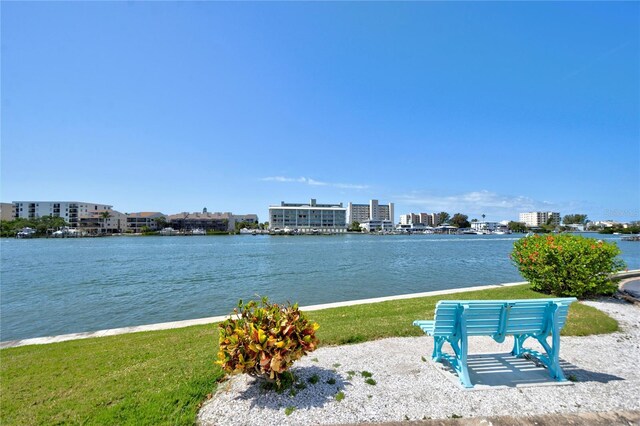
x=350 y=186
x=283 y=179
x=313 y=182
x=316 y=182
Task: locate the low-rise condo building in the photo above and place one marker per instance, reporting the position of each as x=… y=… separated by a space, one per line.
x=70 y=211
x=377 y=225
x=246 y=218
x=152 y=221
x=540 y=218
x=308 y=218
x=372 y=211
x=221 y=222
x=485 y=226
x=103 y=222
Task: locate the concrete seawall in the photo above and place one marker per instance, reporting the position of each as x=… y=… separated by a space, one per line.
x=212 y=320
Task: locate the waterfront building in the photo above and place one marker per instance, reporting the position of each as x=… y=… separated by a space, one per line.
x=426 y=219
x=103 y=222
x=485 y=226
x=148 y=220
x=367 y=212
x=377 y=225
x=608 y=224
x=207 y=221
x=308 y=218
x=70 y=211
x=248 y=218
x=540 y=218
x=7 y=211
x=412 y=227
x=409 y=219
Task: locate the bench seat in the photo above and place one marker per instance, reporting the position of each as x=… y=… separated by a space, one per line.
x=455 y=320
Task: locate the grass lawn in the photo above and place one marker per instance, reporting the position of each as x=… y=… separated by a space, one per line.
x=161 y=377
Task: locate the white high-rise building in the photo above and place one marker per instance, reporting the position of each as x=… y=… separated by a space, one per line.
x=70 y=211
x=373 y=211
x=539 y=218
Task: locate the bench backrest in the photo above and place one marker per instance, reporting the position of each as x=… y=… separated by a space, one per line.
x=499 y=318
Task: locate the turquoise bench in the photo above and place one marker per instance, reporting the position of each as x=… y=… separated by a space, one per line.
x=456 y=320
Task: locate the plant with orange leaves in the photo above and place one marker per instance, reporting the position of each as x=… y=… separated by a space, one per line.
x=568 y=265
x=264 y=339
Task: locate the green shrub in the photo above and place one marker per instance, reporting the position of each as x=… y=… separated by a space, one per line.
x=567 y=265
x=264 y=339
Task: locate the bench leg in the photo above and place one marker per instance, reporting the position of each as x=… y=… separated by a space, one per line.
x=457 y=361
x=553 y=355
x=518 y=341
x=437 y=349
x=463 y=371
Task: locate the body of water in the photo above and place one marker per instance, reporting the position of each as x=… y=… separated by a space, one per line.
x=59 y=286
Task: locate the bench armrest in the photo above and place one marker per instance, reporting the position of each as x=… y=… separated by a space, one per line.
x=426 y=325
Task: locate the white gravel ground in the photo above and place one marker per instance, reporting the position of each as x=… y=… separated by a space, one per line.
x=408 y=388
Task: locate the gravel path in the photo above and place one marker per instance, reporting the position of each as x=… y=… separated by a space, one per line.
x=408 y=388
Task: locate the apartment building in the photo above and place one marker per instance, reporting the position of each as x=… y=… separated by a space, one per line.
x=7 y=211
x=104 y=222
x=248 y=218
x=486 y=226
x=373 y=211
x=540 y=218
x=410 y=219
x=307 y=218
x=70 y=211
x=426 y=219
x=147 y=220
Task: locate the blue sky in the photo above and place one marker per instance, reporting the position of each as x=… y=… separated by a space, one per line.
x=479 y=108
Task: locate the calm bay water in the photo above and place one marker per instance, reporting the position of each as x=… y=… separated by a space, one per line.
x=59 y=286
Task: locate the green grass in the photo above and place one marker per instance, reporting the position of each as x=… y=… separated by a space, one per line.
x=354 y=324
x=162 y=377
x=140 y=378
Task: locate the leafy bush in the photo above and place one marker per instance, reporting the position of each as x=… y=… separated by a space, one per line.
x=265 y=339
x=567 y=265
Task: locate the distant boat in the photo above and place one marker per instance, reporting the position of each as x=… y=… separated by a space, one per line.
x=168 y=231
x=26 y=233
x=198 y=231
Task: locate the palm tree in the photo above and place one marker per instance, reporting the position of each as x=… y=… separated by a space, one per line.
x=104 y=216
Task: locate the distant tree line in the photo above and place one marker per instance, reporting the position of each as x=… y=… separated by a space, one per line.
x=43 y=225
x=575 y=219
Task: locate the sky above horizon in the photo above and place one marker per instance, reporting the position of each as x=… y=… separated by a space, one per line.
x=490 y=108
